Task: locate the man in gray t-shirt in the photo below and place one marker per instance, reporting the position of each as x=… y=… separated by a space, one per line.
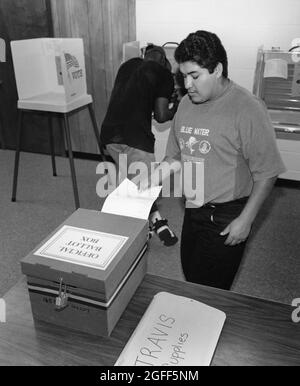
x=227 y=133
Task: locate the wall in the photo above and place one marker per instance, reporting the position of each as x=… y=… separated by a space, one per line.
x=242 y=25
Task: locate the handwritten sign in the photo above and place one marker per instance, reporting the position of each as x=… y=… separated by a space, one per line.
x=174 y=331
x=82 y=246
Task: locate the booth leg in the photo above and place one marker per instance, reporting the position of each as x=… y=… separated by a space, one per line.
x=71 y=160
x=96 y=131
x=51 y=138
x=17 y=156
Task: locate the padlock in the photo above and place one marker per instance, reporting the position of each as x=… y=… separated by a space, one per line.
x=61 y=300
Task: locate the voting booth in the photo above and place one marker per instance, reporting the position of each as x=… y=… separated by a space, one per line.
x=84 y=274
x=51 y=78
x=49 y=72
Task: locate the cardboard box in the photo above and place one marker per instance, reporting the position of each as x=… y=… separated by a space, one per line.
x=98 y=260
x=49 y=72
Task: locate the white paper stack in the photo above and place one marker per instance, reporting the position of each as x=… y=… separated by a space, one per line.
x=128 y=201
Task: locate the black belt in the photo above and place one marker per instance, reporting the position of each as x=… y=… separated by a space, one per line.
x=242 y=200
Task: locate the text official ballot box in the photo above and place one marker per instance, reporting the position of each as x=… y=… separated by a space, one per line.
x=84 y=274
x=50 y=72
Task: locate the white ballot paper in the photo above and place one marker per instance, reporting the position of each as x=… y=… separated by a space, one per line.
x=174 y=331
x=128 y=201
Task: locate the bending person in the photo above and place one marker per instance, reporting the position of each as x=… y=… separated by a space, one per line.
x=142 y=87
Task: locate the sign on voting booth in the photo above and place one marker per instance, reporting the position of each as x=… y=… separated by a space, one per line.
x=50 y=71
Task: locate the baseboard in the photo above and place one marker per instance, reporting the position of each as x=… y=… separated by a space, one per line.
x=90 y=156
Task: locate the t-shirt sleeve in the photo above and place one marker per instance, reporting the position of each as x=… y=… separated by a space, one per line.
x=258 y=142
x=173 y=148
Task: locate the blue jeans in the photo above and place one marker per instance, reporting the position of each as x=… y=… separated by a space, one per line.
x=204 y=257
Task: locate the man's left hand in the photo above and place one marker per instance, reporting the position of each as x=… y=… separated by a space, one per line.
x=238 y=231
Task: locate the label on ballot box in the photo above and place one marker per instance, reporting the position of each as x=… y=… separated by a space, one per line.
x=174 y=331
x=83 y=247
x=84 y=274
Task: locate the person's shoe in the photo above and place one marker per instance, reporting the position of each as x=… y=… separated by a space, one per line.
x=161 y=228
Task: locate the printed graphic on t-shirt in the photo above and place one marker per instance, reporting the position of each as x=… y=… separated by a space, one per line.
x=194 y=141
x=204 y=147
x=191 y=144
x=194 y=144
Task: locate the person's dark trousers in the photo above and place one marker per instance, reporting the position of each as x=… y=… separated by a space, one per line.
x=204 y=257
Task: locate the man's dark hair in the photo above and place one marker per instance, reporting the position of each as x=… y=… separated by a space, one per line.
x=203 y=48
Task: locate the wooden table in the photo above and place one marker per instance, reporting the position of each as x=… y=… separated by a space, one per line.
x=256 y=332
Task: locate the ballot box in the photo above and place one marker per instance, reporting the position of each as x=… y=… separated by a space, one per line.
x=84 y=274
x=49 y=72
